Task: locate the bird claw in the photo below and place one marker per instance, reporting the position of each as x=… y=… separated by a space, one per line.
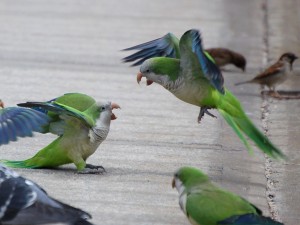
x=204 y=110
x=91 y=169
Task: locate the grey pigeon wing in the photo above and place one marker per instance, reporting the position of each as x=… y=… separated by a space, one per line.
x=20 y=122
x=15 y=195
x=24 y=202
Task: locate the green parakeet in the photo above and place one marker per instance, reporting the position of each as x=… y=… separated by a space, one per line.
x=190 y=73
x=206 y=204
x=81 y=123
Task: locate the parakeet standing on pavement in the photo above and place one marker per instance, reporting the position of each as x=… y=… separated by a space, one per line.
x=206 y=204
x=23 y=202
x=81 y=123
x=188 y=72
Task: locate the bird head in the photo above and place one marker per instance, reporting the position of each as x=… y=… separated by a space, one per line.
x=108 y=107
x=240 y=61
x=187 y=177
x=159 y=70
x=288 y=57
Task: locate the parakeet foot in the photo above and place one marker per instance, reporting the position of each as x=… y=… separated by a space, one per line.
x=204 y=110
x=91 y=169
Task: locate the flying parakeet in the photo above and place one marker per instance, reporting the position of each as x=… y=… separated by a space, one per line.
x=206 y=204
x=189 y=73
x=23 y=202
x=81 y=124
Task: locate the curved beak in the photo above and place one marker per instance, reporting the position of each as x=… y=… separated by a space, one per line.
x=139 y=77
x=114 y=106
x=1 y=104
x=173 y=183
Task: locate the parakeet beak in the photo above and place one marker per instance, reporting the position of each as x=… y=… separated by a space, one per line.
x=114 y=106
x=139 y=78
x=1 y=104
x=173 y=183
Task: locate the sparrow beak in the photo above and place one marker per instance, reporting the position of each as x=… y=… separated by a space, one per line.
x=173 y=183
x=114 y=106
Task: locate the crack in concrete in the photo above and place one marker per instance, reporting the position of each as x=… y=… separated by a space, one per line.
x=270 y=189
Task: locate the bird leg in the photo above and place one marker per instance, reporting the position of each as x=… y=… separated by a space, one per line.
x=92 y=169
x=204 y=110
x=275 y=94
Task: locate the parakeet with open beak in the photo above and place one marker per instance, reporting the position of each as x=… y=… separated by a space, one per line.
x=24 y=202
x=188 y=72
x=81 y=123
x=206 y=204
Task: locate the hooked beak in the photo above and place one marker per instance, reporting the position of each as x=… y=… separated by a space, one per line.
x=173 y=183
x=1 y=104
x=114 y=106
x=139 y=77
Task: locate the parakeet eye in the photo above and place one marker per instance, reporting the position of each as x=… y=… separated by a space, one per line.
x=147 y=71
x=102 y=108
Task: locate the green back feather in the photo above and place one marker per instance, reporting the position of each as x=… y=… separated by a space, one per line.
x=76 y=100
x=165 y=66
x=206 y=203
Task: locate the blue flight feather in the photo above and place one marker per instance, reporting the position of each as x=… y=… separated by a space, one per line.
x=210 y=69
x=20 y=122
x=249 y=219
x=160 y=47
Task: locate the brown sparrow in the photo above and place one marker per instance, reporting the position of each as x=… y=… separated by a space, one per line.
x=275 y=74
x=224 y=56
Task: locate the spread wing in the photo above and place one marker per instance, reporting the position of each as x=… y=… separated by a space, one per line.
x=194 y=58
x=59 y=109
x=167 y=46
x=20 y=122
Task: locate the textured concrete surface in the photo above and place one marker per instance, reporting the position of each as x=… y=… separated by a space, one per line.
x=48 y=48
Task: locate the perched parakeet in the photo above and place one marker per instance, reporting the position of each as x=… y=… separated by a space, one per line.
x=81 y=123
x=23 y=202
x=206 y=204
x=19 y=122
x=190 y=73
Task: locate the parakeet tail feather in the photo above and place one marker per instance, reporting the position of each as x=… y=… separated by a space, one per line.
x=233 y=113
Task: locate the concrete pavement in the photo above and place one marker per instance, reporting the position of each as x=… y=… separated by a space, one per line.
x=48 y=48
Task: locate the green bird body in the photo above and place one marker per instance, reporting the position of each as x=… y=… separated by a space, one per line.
x=81 y=123
x=194 y=78
x=206 y=204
